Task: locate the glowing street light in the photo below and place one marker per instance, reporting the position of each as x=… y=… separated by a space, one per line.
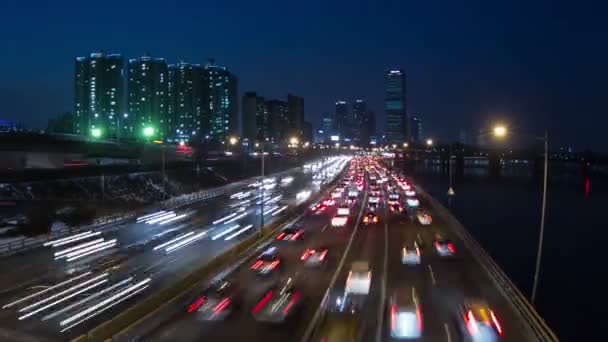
x=96 y=132
x=293 y=141
x=429 y=142
x=148 y=131
x=233 y=140
x=405 y=144
x=500 y=131
x=394 y=146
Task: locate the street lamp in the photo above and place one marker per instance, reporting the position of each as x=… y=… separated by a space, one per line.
x=233 y=140
x=293 y=141
x=429 y=142
x=148 y=132
x=501 y=131
x=405 y=145
x=96 y=133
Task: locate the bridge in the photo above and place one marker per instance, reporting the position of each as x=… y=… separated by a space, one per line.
x=136 y=279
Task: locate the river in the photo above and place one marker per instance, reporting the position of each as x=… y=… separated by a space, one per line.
x=503 y=213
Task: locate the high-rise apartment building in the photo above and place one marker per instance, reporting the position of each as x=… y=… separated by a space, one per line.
x=277 y=121
x=358 y=114
x=220 y=104
x=185 y=114
x=148 y=96
x=395 y=106
x=341 y=122
x=295 y=106
x=254 y=117
x=98 y=95
x=368 y=128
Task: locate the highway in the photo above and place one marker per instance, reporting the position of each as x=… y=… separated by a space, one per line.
x=62 y=290
x=441 y=283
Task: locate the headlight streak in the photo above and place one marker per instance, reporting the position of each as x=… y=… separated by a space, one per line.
x=278 y=211
x=161 y=218
x=75 y=287
x=70 y=239
x=185 y=242
x=224 y=218
x=150 y=216
x=46 y=290
x=225 y=232
x=162 y=245
x=90 y=250
x=238 y=217
x=84 y=300
x=61 y=300
x=240 y=231
x=82 y=245
x=136 y=288
x=178 y=217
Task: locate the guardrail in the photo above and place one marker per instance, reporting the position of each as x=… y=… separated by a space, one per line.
x=538 y=328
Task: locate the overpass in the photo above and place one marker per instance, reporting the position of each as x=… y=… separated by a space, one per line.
x=157 y=251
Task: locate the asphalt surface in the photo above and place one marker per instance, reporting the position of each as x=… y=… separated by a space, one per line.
x=134 y=257
x=440 y=282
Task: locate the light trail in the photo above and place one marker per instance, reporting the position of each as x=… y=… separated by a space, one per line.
x=70 y=239
x=46 y=290
x=178 y=217
x=185 y=242
x=150 y=216
x=82 y=245
x=224 y=218
x=246 y=228
x=225 y=232
x=172 y=241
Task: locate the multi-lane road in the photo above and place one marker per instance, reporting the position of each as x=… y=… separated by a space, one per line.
x=73 y=284
x=441 y=283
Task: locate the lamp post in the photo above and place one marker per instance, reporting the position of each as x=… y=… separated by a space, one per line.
x=501 y=131
x=262 y=191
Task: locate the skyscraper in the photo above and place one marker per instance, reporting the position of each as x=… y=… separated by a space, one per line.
x=341 y=123
x=327 y=126
x=416 y=130
x=368 y=127
x=148 y=99
x=184 y=118
x=254 y=117
x=358 y=114
x=295 y=108
x=220 y=104
x=98 y=94
x=277 y=121
x=395 y=105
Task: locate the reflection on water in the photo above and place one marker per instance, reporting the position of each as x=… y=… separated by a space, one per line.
x=503 y=212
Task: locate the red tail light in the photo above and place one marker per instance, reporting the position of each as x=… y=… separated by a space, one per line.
x=393 y=318
x=375 y=219
x=291 y=302
x=419 y=316
x=451 y=247
x=262 y=302
x=280 y=236
x=221 y=305
x=322 y=256
x=257 y=265
x=306 y=254
x=196 y=304
x=273 y=265
x=496 y=324
x=366 y=219
x=295 y=236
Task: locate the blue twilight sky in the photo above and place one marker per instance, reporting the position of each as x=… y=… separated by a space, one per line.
x=535 y=63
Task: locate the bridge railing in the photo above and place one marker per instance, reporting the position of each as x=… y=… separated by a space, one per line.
x=538 y=328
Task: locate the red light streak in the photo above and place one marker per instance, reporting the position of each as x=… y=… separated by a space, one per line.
x=262 y=302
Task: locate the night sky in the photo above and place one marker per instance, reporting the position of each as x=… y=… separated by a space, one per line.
x=531 y=63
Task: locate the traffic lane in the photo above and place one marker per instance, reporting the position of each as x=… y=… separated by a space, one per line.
x=242 y=325
x=402 y=277
x=462 y=277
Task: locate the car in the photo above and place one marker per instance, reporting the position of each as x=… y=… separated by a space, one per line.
x=395 y=207
x=359 y=278
x=405 y=314
x=410 y=193
x=329 y=202
x=341 y=322
x=290 y=234
x=424 y=218
x=267 y=262
x=370 y=218
x=318 y=208
x=444 y=247
x=410 y=254
x=279 y=303
x=343 y=211
x=353 y=193
x=217 y=302
x=339 y=221
x=393 y=197
x=412 y=202
x=477 y=322
x=336 y=194
x=314 y=256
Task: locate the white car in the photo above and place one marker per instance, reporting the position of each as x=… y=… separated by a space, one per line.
x=410 y=193
x=412 y=202
x=410 y=255
x=359 y=278
x=344 y=211
x=444 y=248
x=339 y=221
x=477 y=322
x=405 y=314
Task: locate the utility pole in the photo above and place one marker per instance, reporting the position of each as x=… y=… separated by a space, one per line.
x=262 y=192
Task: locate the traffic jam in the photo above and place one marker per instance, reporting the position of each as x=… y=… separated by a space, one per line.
x=307 y=280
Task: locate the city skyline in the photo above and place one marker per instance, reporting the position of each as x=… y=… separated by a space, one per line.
x=459 y=77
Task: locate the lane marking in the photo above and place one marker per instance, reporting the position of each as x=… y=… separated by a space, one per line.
x=332 y=282
x=447 y=332
x=383 y=282
x=432 y=275
x=325 y=227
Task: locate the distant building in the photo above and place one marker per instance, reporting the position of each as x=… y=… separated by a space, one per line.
x=341 y=122
x=277 y=121
x=185 y=119
x=307 y=135
x=250 y=111
x=62 y=124
x=148 y=97
x=416 y=130
x=368 y=128
x=7 y=127
x=395 y=105
x=463 y=137
x=295 y=106
x=327 y=126
x=357 y=118
x=219 y=118
x=98 y=94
